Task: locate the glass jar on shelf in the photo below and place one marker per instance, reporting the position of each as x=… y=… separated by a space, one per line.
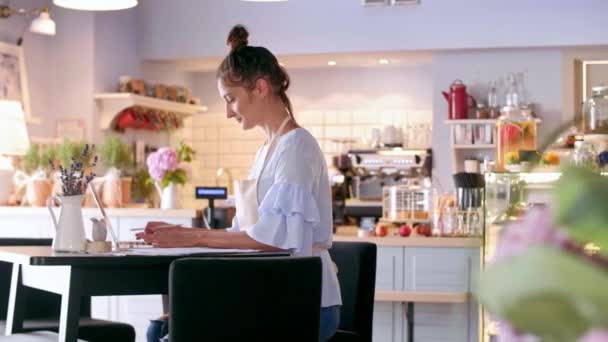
x=515 y=131
x=595 y=112
x=585 y=155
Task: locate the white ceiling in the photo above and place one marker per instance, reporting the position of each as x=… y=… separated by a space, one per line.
x=310 y=61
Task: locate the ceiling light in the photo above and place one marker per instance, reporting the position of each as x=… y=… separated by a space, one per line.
x=43 y=24
x=383 y=61
x=264 y=0
x=96 y=5
x=331 y=63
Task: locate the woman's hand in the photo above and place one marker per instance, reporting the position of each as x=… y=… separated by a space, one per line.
x=175 y=237
x=167 y=234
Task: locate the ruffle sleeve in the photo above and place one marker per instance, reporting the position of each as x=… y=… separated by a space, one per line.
x=287 y=216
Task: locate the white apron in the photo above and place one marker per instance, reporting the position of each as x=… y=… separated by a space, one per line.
x=246 y=190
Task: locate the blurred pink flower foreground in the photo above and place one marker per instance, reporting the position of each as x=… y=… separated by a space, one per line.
x=535 y=230
x=597 y=335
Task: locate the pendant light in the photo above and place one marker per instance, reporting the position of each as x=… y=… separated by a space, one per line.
x=43 y=24
x=96 y=5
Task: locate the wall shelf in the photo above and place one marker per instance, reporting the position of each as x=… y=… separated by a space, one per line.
x=110 y=104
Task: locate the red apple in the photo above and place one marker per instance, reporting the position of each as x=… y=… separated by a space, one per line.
x=405 y=230
x=381 y=230
x=424 y=230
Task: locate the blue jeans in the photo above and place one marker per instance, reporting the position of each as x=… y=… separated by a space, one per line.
x=330 y=319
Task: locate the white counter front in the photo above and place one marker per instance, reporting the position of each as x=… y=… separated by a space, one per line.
x=114 y=212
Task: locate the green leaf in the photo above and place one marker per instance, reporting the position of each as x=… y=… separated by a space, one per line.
x=581 y=196
x=178 y=176
x=166 y=180
x=548 y=293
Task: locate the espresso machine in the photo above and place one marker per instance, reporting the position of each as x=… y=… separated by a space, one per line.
x=366 y=172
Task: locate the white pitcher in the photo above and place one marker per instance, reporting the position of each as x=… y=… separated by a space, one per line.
x=69 y=230
x=169 y=198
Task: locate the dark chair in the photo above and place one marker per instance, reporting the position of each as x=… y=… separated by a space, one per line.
x=34 y=336
x=356 y=263
x=43 y=308
x=245 y=299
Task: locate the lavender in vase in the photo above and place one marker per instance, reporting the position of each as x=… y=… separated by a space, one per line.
x=74 y=178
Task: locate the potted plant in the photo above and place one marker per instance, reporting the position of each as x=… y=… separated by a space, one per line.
x=117 y=157
x=167 y=168
x=142 y=188
x=35 y=175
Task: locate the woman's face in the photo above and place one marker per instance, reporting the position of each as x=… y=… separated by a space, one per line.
x=245 y=106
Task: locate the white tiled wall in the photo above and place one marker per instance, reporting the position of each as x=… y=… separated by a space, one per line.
x=220 y=142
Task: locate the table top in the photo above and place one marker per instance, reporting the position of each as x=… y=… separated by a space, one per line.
x=45 y=256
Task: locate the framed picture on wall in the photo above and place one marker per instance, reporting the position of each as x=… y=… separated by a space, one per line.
x=13 y=77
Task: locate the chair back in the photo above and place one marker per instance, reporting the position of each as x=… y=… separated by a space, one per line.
x=356 y=262
x=245 y=299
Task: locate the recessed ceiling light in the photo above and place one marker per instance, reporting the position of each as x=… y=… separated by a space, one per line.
x=96 y=5
x=383 y=61
x=331 y=63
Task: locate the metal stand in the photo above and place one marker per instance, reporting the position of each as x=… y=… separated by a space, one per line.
x=409 y=315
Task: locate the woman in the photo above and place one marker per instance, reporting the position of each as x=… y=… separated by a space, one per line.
x=285 y=204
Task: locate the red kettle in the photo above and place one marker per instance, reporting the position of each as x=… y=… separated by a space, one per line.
x=459 y=101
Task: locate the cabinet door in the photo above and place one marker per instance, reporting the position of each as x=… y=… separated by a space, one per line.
x=438 y=269
x=442 y=323
x=389 y=268
x=34 y=226
x=388 y=322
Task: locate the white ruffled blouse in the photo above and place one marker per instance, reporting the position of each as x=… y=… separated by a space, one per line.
x=295 y=204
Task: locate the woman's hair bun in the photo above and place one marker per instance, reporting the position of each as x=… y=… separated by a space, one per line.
x=237 y=37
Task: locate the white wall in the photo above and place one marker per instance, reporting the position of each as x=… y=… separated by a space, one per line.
x=543 y=81
x=71 y=70
x=36 y=48
x=88 y=53
x=198 y=28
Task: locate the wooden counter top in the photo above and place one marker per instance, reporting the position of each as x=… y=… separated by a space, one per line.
x=421 y=296
x=349 y=233
x=112 y=212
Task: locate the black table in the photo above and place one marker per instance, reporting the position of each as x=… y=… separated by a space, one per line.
x=76 y=275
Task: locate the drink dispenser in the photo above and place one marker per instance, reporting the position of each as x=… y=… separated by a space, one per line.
x=515 y=132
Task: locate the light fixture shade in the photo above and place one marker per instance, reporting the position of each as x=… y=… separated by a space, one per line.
x=43 y=24
x=264 y=0
x=96 y=5
x=14 y=140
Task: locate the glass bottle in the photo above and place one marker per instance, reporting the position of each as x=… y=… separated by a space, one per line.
x=493 y=101
x=595 y=112
x=515 y=131
x=584 y=155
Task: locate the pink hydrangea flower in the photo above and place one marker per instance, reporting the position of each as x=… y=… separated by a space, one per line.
x=156 y=172
x=596 y=335
x=536 y=229
x=167 y=159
